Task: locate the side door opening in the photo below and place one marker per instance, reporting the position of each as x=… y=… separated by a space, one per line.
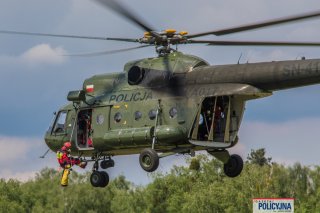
x=213 y=119
x=84 y=129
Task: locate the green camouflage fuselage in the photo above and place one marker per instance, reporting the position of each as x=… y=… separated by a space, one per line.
x=176 y=87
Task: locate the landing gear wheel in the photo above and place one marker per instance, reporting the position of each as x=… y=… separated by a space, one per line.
x=149 y=160
x=234 y=166
x=97 y=179
x=105 y=180
x=105 y=164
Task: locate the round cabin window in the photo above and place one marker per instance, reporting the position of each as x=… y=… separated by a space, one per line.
x=100 y=119
x=152 y=114
x=173 y=112
x=137 y=115
x=117 y=117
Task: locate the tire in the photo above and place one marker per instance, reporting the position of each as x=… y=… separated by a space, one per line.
x=149 y=160
x=105 y=180
x=96 y=179
x=234 y=166
x=107 y=164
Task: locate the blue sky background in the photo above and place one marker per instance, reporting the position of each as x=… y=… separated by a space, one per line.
x=35 y=78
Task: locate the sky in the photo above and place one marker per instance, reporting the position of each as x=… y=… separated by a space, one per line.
x=35 y=78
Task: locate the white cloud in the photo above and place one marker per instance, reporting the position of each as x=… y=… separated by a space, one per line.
x=44 y=54
x=21 y=176
x=41 y=54
x=14 y=148
x=19 y=157
x=286 y=142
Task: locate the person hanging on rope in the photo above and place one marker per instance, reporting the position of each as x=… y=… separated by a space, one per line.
x=66 y=161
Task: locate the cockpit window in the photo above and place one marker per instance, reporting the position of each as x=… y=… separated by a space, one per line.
x=60 y=125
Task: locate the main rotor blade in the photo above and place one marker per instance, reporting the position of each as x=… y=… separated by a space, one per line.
x=107 y=52
x=254 y=43
x=51 y=35
x=120 y=9
x=259 y=25
x=124 y=39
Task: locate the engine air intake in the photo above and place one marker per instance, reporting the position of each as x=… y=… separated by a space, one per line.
x=135 y=75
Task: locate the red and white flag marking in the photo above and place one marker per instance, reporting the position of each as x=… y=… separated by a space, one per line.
x=90 y=88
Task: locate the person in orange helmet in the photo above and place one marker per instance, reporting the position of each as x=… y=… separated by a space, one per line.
x=66 y=161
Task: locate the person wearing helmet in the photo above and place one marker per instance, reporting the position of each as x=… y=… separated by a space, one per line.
x=66 y=161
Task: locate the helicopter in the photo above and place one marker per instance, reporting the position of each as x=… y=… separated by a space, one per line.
x=173 y=103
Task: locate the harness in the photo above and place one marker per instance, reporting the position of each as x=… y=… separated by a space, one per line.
x=65 y=161
x=63 y=158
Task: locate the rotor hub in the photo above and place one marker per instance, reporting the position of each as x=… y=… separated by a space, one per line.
x=164 y=39
x=168 y=36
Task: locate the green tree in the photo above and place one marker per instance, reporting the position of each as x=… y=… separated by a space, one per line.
x=258 y=157
x=183 y=189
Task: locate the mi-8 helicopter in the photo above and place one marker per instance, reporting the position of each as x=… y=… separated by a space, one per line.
x=174 y=103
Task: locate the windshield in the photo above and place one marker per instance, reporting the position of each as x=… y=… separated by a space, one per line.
x=60 y=122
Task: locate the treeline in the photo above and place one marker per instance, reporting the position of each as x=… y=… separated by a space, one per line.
x=200 y=188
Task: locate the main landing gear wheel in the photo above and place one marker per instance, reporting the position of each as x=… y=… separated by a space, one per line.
x=149 y=160
x=234 y=166
x=99 y=179
x=105 y=182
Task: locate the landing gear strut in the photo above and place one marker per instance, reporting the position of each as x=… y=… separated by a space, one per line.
x=149 y=158
x=100 y=178
x=233 y=164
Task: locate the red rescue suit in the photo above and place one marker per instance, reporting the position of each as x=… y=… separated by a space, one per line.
x=66 y=161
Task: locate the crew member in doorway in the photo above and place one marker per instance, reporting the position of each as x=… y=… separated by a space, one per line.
x=84 y=131
x=66 y=162
x=89 y=141
x=218 y=116
x=202 y=127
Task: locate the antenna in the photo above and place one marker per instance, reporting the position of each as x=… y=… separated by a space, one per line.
x=239 y=58
x=43 y=156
